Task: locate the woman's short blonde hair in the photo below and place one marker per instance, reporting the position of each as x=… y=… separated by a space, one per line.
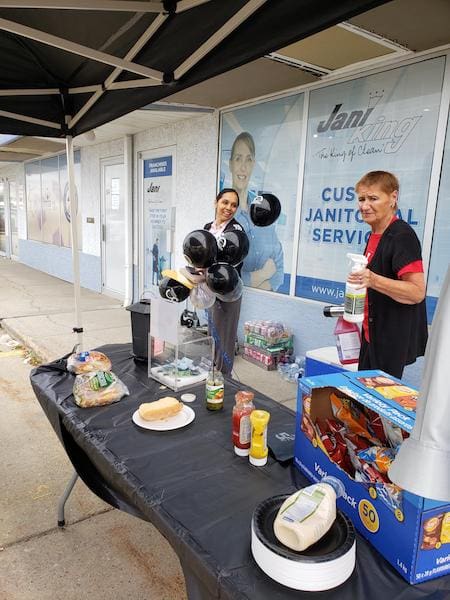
x=385 y=180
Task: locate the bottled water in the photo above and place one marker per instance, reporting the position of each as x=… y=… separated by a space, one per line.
x=292 y=371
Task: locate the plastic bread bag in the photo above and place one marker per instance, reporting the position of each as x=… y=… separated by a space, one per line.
x=98 y=389
x=88 y=361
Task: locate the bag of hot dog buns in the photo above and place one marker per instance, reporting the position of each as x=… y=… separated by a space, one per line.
x=88 y=361
x=98 y=389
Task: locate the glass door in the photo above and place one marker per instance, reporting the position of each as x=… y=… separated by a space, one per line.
x=113 y=230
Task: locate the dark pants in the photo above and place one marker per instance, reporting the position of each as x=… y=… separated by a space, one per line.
x=368 y=360
x=223 y=328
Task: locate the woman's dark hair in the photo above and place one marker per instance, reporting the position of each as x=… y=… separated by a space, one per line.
x=225 y=191
x=247 y=138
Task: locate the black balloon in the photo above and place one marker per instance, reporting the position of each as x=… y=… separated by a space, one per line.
x=200 y=248
x=173 y=290
x=222 y=278
x=265 y=210
x=233 y=295
x=232 y=246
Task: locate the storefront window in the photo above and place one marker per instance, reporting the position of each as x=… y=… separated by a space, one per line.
x=33 y=195
x=50 y=200
x=385 y=122
x=64 y=205
x=259 y=152
x=48 y=216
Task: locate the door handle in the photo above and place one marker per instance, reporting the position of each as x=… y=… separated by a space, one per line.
x=103 y=232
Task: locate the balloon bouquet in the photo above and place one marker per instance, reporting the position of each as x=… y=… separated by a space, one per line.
x=212 y=272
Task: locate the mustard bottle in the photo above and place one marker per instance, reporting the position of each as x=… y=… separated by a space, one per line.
x=258 y=445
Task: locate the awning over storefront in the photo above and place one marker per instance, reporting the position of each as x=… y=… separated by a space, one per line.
x=68 y=67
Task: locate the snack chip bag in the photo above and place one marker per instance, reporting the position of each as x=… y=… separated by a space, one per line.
x=98 y=388
x=381 y=458
x=375 y=425
x=391 y=494
x=88 y=361
x=354 y=419
x=394 y=434
x=373 y=475
x=355 y=443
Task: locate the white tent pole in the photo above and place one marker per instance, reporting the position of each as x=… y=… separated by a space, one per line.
x=26 y=119
x=73 y=201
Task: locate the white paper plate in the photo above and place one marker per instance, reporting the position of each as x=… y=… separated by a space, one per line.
x=323 y=566
x=183 y=418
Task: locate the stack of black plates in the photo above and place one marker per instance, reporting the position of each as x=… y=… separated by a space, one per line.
x=324 y=565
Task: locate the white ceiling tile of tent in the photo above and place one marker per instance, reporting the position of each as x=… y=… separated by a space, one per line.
x=417 y=24
x=252 y=80
x=335 y=48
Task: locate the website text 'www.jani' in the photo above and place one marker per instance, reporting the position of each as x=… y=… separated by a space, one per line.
x=330 y=292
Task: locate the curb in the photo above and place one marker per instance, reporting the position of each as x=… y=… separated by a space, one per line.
x=27 y=342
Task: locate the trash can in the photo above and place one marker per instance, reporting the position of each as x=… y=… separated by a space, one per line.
x=140 y=328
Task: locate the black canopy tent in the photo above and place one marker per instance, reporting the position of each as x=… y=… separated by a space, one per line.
x=69 y=66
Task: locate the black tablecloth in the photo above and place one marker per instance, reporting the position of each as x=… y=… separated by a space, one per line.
x=193 y=488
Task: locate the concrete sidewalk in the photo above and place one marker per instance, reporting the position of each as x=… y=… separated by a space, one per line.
x=38 y=309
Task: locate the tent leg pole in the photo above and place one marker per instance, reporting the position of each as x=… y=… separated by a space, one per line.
x=78 y=329
x=63 y=499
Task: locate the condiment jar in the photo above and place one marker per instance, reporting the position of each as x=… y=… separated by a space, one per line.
x=258 y=445
x=215 y=389
x=241 y=422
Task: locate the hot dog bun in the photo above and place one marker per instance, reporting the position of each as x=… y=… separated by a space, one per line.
x=160 y=409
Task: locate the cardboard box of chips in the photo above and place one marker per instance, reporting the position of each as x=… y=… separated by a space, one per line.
x=350 y=425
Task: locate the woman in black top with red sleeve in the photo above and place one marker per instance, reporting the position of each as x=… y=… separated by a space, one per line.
x=224 y=316
x=395 y=328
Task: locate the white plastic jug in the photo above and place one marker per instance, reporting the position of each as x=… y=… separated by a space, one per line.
x=306 y=516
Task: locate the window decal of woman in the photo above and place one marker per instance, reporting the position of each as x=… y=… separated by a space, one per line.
x=263 y=267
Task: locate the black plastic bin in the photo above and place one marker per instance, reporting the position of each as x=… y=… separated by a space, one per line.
x=140 y=328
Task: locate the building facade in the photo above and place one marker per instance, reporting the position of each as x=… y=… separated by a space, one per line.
x=139 y=195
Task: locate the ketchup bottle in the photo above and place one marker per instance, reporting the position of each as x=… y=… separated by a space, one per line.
x=241 y=422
